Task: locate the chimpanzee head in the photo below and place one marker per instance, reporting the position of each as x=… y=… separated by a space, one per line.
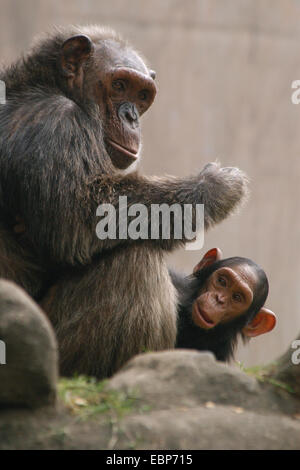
x=103 y=69
x=225 y=298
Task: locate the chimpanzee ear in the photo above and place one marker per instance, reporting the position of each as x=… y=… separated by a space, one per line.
x=213 y=255
x=75 y=51
x=263 y=322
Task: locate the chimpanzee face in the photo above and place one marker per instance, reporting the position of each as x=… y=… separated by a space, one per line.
x=116 y=78
x=124 y=90
x=227 y=294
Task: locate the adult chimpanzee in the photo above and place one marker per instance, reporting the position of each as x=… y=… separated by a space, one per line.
x=221 y=300
x=69 y=134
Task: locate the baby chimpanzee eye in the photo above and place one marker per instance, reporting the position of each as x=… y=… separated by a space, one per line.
x=237 y=297
x=222 y=281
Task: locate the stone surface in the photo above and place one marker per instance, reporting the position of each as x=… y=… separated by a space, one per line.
x=30 y=373
x=202 y=428
x=189 y=378
x=181 y=400
x=196 y=402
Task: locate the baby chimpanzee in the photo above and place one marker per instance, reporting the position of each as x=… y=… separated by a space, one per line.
x=221 y=300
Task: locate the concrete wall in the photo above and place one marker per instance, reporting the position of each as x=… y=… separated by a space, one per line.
x=224 y=71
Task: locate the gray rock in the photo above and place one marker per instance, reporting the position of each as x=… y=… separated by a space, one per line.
x=222 y=427
x=193 y=402
x=28 y=378
x=191 y=378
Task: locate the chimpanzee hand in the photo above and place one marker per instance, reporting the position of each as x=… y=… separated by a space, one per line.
x=225 y=189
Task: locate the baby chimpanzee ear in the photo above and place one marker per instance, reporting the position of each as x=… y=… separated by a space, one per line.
x=213 y=255
x=263 y=322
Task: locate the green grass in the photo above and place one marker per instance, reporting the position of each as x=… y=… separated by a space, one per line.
x=85 y=397
x=264 y=374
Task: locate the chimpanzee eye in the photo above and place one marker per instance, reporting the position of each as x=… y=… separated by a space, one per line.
x=143 y=95
x=118 y=85
x=237 y=297
x=222 y=281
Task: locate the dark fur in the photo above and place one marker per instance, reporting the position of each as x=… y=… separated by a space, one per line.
x=222 y=339
x=54 y=172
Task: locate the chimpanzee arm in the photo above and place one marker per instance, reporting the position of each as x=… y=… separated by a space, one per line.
x=53 y=152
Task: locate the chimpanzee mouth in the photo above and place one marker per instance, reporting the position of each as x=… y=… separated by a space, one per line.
x=132 y=153
x=201 y=318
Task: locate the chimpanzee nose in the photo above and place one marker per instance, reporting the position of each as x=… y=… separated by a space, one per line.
x=220 y=298
x=128 y=113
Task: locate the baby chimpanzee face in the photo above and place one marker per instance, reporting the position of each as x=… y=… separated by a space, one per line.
x=227 y=294
x=221 y=301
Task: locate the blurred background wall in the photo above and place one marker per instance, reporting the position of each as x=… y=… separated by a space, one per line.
x=224 y=70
